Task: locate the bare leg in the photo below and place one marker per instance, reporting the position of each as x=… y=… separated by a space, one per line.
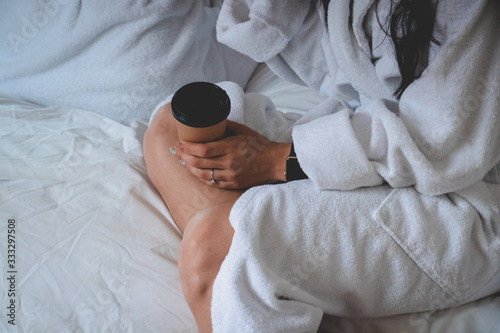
x=183 y=193
x=200 y=211
x=206 y=243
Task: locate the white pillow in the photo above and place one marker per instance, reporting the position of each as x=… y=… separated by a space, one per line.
x=119 y=58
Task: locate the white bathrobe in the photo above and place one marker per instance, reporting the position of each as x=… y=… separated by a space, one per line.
x=401 y=211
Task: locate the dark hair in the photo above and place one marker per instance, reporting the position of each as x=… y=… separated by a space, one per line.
x=411 y=26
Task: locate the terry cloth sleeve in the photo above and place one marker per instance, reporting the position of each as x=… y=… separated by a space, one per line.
x=259 y=28
x=288 y=36
x=441 y=136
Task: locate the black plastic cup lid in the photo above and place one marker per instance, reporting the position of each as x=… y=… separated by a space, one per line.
x=200 y=104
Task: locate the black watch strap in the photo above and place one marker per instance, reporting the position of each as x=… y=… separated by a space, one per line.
x=293 y=169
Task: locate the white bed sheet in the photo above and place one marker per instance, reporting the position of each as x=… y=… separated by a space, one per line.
x=96 y=249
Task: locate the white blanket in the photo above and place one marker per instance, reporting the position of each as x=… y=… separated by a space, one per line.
x=419 y=227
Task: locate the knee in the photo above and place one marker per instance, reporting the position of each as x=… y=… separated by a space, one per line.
x=201 y=255
x=161 y=131
x=194 y=257
x=162 y=124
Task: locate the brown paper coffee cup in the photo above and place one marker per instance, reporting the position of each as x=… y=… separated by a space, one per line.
x=201 y=134
x=201 y=110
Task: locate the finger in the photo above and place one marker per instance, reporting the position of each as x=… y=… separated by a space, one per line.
x=220 y=184
x=202 y=174
x=206 y=174
x=210 y=149
x=218 y=162
x=221 y=178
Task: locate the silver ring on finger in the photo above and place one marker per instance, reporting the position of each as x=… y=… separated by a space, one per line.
x=213 y=181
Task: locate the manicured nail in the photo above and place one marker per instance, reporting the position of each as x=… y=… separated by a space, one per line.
x=172 y=151
x=182 y=163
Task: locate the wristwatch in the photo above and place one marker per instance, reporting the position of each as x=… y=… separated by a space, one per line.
x=293 y=169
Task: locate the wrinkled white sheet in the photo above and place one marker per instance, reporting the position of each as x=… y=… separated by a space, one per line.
x=96 y=250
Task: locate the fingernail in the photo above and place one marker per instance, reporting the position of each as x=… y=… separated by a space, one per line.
x=179 y=145
x=182 y=163
x=172 y=151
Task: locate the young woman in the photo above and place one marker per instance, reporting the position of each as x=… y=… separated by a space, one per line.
x=395 y=207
